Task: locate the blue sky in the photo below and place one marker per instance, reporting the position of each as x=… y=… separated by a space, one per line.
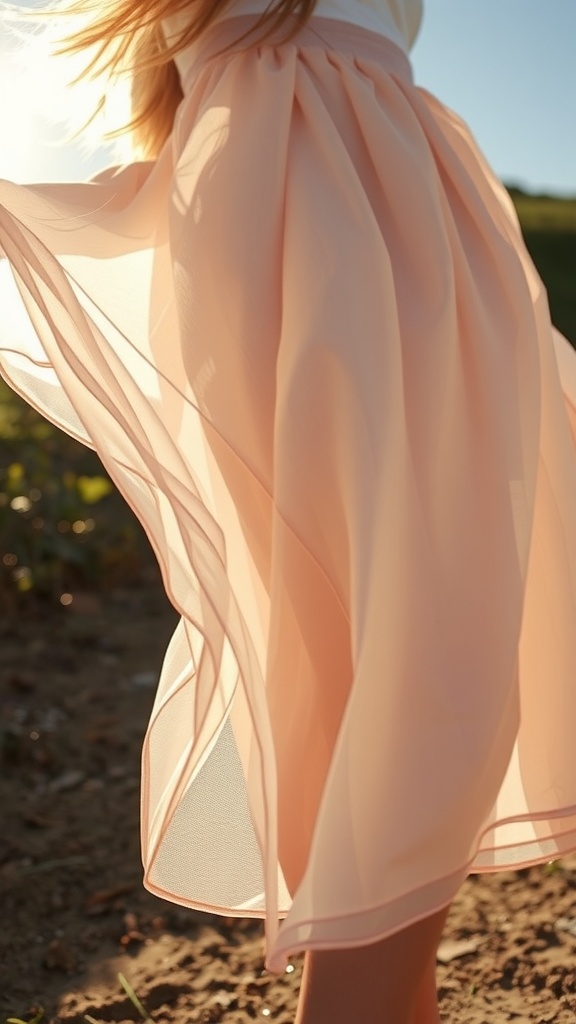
x=507 y=66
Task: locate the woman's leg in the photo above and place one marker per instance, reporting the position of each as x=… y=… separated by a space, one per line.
x=425 y=1010
x=387 y=982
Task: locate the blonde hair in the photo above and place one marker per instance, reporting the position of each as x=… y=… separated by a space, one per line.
x=125 y=37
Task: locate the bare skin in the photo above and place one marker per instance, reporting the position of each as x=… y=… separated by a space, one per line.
x=387 y=982
x=425 y=1010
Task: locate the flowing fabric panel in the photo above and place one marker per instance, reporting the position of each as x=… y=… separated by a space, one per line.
x=311 y=349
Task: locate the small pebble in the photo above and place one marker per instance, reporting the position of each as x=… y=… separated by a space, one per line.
x=66 y=781
x=145 y=678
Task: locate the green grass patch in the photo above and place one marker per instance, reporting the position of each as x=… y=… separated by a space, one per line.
x=63 y=525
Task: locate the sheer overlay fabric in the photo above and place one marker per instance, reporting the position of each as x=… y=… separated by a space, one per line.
x=313 y=354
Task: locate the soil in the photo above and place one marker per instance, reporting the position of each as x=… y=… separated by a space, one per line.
x=78 y=929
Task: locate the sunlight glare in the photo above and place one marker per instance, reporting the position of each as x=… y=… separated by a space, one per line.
x=18 y=127
x=42 y=115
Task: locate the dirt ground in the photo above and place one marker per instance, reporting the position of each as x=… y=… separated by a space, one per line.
x=76 y=686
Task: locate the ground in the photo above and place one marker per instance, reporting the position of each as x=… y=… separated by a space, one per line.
x=78 y=929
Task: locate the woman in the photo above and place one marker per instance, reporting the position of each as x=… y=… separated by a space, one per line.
x=307 y=341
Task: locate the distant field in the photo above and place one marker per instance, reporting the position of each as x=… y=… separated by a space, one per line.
x=545 y=213
x=549 y=227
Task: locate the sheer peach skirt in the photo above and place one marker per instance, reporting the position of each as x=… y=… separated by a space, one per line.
x=312 y=352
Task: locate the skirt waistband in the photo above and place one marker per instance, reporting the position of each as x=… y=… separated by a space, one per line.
x=234 y=34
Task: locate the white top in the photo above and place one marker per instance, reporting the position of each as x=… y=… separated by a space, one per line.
x=398 y=20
